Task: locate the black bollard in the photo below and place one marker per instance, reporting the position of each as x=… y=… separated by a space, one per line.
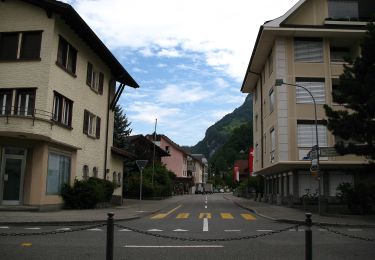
x=110 y=235
x=308 y=237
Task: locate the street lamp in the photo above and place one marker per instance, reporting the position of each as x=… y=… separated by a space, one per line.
x=314 y=162
x=141 y=165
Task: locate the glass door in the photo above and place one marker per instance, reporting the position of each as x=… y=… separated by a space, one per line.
x=12 y=179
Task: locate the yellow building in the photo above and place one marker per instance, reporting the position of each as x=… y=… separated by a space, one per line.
x=305 y=47
x=57 y=90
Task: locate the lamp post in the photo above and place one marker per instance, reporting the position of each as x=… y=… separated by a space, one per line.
x=314 y=162
x=141 y=165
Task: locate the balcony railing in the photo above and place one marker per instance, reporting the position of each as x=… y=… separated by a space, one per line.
x=34 y=114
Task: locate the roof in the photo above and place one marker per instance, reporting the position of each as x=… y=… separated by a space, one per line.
x=122 y=153
x=143 y=139
x=176 y=146
x=77 y=24
x=278 y=27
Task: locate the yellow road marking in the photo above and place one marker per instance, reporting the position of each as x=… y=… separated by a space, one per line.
x=26 y=244
x=248 y=216
x=226 y=216
x=163 y=215
x=183 y=215
x=205 y=215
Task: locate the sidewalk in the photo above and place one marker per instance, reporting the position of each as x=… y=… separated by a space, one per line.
x=131 y=209
x=297 y=216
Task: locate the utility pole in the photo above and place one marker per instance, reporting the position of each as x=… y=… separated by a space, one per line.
x=153 y=156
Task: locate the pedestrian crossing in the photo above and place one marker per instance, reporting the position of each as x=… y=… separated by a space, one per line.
x=203 y=215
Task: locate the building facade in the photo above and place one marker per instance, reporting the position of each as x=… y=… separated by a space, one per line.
x=307 y=47
x=57 y=84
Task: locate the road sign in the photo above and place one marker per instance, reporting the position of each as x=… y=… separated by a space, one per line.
x=141 y=164
x=328 y=152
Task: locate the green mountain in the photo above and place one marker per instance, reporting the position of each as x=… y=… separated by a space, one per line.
x=219 y=133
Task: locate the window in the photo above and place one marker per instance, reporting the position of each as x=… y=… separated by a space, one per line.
x=335 y=88
x=91 y=124
x=62 y=109
x=306 y=134
x=95 y=172
x=94 y=79
x=58 y=172
x=339 y=54
x=308 y=50
x=167 y=149
x=270 y=64
x=66 y=56
x=273 y=145
x=6 y=101
x=25 y=102
x=343 y=9
x=85 y=172
x=272 y=100
x=119 y=178
x=315 y=86
x=20 y=45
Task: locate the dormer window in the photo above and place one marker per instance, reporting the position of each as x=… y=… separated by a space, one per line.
x=94 y=79
x=343 y=9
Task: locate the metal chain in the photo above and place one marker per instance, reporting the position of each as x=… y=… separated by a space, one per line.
x=54 y=232
x=344 y=234
x=207 y=239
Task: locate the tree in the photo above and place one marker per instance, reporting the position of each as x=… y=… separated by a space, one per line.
x=121 y=127
x=356 y=92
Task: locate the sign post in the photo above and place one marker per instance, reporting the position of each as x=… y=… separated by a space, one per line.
x=141 y=165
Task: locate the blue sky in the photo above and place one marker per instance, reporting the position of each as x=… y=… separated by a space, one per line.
x=188 y=56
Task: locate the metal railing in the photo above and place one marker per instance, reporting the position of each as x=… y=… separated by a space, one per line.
x=22 y=112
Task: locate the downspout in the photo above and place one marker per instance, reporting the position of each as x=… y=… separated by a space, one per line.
x=107 y=130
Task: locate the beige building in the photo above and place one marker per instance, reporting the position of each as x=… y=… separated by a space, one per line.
x=57 y=90
x=305 y=47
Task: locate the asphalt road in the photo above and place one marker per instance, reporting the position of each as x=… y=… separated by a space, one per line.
x=196 y=216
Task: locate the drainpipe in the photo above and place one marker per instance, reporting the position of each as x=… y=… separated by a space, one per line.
x=261 y=114
x=107 y=130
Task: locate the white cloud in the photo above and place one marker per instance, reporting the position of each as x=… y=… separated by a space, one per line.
x=223 y=31
x=147 y=112
x=139 y=70
x=161 y=65
x=174 y=94
x=221 y=83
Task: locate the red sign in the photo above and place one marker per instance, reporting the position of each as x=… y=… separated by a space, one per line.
x=236 y=173
x=251 y=161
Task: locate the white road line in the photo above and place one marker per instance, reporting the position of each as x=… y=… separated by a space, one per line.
x=205 y=224
x=63 y=229
x=33 y=228
x=180 y=230
x=94 y=229
x=266 y=230
x=4 y=227
x=232 y=230
x=192 y=246
x=124 y=230
x=154 y=230
x=354 y=229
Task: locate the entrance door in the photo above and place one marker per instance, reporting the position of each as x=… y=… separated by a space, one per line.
x=12 y=178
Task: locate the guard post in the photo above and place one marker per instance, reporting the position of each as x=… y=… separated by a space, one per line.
x=110 y=235
x=308 y=237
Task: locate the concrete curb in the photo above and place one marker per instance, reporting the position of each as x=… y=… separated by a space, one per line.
x=84 y=222
x=302 y=222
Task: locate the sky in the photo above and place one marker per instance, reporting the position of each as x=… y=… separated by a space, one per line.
x=188 y=56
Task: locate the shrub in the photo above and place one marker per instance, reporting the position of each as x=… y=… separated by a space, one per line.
x=86 y=194
x=360 y=198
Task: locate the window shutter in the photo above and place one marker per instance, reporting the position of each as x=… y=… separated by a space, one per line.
x=85 y=122
x=308 y=50
x=30 y=48
x=89 y=74
x=97 y=127
x=8 y=46
x=317 y=88
x=101 y=82
x=70 y=113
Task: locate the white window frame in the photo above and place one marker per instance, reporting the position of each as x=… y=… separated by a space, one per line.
x=308 y=50
x=317 y=88
x=306 y=138
x=272 y=100
x=91 y=129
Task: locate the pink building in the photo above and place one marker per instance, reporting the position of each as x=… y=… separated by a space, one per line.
x=176 y=162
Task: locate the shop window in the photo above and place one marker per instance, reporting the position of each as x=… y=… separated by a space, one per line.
x=58 y=172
